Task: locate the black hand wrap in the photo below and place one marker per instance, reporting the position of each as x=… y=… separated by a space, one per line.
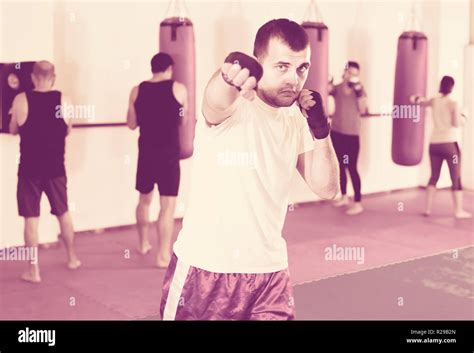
x=357 y=88
x=317 y=119
x=245 y=61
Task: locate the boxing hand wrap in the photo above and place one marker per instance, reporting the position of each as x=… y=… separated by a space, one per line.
x=414 y=99
x=358 y=90
x=356 y=86
x=317 y=119
x=247 y=62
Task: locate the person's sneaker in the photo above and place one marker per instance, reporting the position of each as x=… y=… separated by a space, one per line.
x=343 y=201
x=355 y=209
x=462 y=214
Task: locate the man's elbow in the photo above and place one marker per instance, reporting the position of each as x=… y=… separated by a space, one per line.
x=13 y=130
x=363 y=109
x=131 y=125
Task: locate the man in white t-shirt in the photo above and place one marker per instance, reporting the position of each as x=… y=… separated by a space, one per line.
x=230 y=259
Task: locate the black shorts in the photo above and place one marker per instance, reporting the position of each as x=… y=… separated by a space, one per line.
x=164 y=171
x=29 y=193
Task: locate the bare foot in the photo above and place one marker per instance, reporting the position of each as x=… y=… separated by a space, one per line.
x=355 y=209
x=162 y=263
x=144 y=249
x=74 y=264
x=463 y=214
x=343 y=201
x=31 y=276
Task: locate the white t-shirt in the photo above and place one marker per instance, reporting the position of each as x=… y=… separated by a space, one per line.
x=240 y=183
x=443 y=112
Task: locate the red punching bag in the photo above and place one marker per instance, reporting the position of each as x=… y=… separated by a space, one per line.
x=410 y=79
x=177 y=40
x=319 y=42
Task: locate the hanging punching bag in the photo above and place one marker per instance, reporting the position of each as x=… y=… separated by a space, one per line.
x=319 y=71
x=319 y=42
x=14 y=79
x=410 y=79
x=177 y=40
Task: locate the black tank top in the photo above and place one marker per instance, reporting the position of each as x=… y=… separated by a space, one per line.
x=42 y=136
x=158 y=115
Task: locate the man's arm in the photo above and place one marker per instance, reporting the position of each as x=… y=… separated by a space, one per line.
x=320 y=169
x=362 y=104
x=19 y=113
x=66 y=101
x=360 y=94
x=181 y=94
x=220 y=96
x=131 y=113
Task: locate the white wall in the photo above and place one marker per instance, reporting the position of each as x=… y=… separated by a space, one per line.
x=26 y=32
x=101 y=166
x=101 y=49
x=468 y=73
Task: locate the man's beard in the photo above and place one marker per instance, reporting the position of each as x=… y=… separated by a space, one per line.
x=280 y=98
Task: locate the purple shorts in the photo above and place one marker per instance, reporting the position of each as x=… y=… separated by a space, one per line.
x=191 y=293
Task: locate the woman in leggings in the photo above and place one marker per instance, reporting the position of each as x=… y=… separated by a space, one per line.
x=447 y=121
x=351 y=101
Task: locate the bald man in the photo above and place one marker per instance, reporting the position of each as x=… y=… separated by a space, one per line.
x=37 y=118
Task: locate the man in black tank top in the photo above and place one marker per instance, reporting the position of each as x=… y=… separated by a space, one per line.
x=158 y=106
x=37 y=117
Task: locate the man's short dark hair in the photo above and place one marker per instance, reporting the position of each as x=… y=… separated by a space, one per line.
x=289 y=32
x=353 y=64
x=160 y=62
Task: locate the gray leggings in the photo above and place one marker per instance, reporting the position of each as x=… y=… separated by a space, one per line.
x=451 y=153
